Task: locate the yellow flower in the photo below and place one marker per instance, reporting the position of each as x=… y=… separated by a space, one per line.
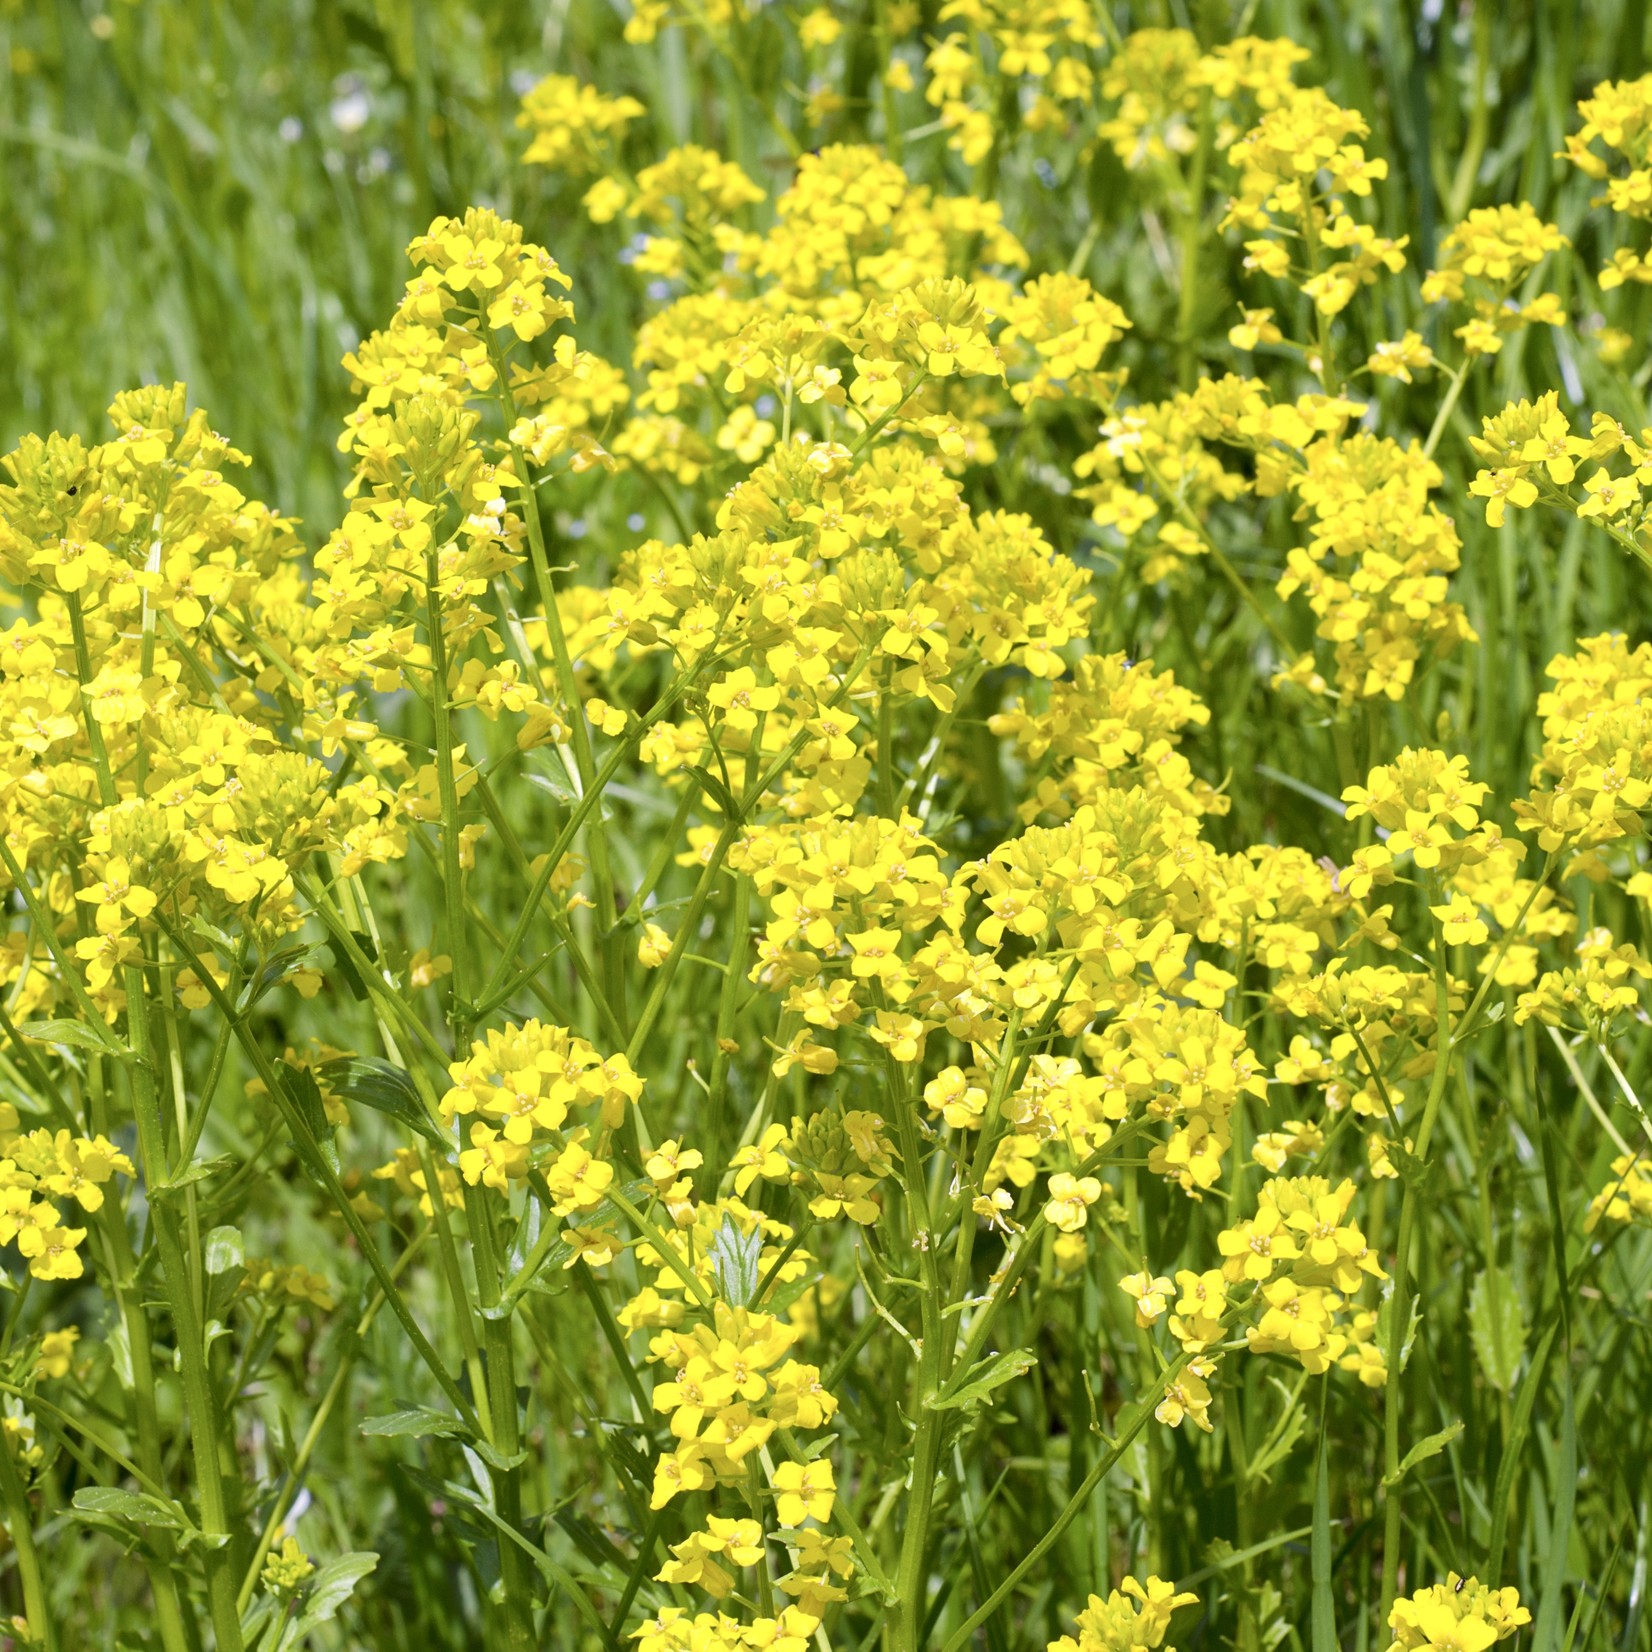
x=1067 y=1207
x=56 y=1354
x=804 y=1491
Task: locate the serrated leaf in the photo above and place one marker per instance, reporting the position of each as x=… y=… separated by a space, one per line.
x=1414 y=1172
x=1432 y=1446
x=1385 y=1321
x=383 y=1086
x=331 y=1586
x=1497 y=1324
x=973 y=1386
x=416 y=1422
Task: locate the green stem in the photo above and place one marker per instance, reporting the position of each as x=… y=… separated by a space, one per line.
x=596 y=839
x=18 y=1528
x=200 y=1401
x=1074 y=1505
x=499 y=1355
x=1187 y=361
x=346 y=1357
x=1399 y=1302
x=447 y=789
x=1453 y=391
x=912 y=1571
x=145 y=1419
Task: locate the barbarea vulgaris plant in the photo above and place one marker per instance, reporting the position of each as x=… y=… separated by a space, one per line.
x=768 y=1064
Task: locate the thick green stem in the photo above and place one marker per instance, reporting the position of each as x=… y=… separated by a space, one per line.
x=1187 y=359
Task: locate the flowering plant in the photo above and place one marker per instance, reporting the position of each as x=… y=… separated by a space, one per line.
x=864 y=950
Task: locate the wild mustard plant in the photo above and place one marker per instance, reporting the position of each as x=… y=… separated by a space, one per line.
x=768 y=1082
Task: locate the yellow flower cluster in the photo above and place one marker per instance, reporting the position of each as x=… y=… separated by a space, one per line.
x=1486 y=258
x=1306 y=1260
x=1617 y=115
x=572 y=124
x=1168 y=92
x=38 y=1167
x=1044 y=43
x=1627 y=1196
x=1426 y=806
x=732 y=1385
x=1134 y=1617
x=287 y=1569
x=520 y=1087
x=1379 y=552
x=1461 y=1614
x=279 y=1284
x=674 y=1629
x=1594 y=775
x=1296 y=167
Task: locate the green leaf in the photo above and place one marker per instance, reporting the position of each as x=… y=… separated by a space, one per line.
x=554 y=783
x=346 y=965
x=282 y=966
x=331 y=1586
x=223 y=1250
x=498 y=1459
x=1280 y=1447
x=385 y=1087
x=1422 y=1451
x=974 y=1385
x=1497 y=1323
x=1385 y=1320
x=416 y=1422
x=80 y=1035
x=306 y=1097
x=138 y=1508
x=734 y=1257
x=198 y=1170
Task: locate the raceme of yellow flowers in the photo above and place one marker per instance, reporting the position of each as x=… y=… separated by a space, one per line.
x=211 y=745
